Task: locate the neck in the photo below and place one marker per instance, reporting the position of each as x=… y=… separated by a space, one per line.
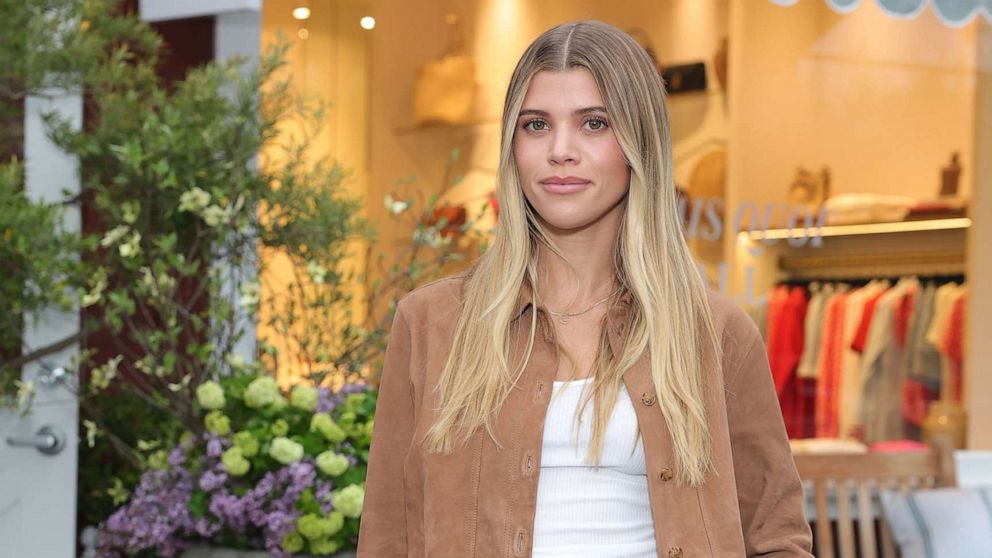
x=584 y=277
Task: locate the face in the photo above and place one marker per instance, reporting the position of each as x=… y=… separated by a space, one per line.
x=571 y=167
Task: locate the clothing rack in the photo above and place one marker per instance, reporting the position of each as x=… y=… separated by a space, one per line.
x=860 y=281
x=853 y=267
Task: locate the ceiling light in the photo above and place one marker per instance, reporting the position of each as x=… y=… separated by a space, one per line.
x=368 y=22
x=301 y=13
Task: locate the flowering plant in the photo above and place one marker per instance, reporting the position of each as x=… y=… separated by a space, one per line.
x=284 y=472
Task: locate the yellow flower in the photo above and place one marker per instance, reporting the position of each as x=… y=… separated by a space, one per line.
x=247 y=443
x=218 y=423
x=292 y=542
x=235 y=462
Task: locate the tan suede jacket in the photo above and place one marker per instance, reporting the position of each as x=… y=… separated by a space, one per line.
x=479 y=501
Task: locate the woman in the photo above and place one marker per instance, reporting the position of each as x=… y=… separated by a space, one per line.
x=682 y=450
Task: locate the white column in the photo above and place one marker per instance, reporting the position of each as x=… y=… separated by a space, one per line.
x=37 y=490
x=239 y=33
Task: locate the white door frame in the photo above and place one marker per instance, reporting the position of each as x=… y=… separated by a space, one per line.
x=38 y=489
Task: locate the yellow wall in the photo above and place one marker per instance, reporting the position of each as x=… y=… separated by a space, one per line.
x=331 y=64
x=409 y=35
x=882 y=102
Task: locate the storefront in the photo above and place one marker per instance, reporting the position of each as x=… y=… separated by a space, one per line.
x=824 y=147
x=834 y=156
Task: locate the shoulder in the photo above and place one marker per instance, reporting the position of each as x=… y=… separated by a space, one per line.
x=732 y=322
x=738 y=334
x=436 y=299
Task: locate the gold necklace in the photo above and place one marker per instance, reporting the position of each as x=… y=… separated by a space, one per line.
x=564 y=316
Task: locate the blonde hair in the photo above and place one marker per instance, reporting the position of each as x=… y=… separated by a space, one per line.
x=652 y=262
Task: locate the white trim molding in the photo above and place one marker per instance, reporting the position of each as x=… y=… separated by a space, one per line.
x=165 y=10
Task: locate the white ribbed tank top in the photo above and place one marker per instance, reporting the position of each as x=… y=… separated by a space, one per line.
x=582 y=512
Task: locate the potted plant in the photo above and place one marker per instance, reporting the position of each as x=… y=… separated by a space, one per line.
x=284 y=472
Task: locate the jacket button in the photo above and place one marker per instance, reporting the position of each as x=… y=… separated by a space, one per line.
x=647 y=398
x=520 y=545
x=675 y=552
x=666 y=475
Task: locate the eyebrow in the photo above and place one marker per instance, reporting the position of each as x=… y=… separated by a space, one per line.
x=577 y=112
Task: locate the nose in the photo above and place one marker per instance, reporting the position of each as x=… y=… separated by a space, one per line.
x=562 y=149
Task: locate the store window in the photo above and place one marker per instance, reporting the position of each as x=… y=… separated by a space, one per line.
x=830 y=155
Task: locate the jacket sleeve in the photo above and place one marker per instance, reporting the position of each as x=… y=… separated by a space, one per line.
x=769 y=492
x=382 y=532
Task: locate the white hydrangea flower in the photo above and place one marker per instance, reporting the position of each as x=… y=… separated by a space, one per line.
x=194 y=199
x=132 y=247
x=113 y=235
x=215 y=216
x=130 y=210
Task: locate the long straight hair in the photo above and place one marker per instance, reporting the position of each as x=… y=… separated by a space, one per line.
x=652 y=261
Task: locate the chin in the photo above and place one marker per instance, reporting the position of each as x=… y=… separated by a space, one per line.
x=566 y=222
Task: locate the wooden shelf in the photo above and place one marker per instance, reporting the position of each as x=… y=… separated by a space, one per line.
x=957 y=223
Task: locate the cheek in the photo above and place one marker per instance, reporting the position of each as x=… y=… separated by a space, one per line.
x=611 y=160
x=524 y=153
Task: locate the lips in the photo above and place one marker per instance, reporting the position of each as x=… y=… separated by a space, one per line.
x=564 y=184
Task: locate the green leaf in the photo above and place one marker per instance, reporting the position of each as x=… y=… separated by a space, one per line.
x=198 y=503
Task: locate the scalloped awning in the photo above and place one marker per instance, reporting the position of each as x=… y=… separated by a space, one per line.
x=954 y=13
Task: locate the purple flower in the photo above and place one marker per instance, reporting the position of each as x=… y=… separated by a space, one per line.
x=214 y=447
x=211 y=480
x=256 y=510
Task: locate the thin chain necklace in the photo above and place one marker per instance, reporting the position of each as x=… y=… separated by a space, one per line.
x=564 y=316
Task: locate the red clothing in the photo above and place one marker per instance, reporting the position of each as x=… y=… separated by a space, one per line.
x=953 y=345
x=861 y=335
x=916 y=397
x=785 y=348
x=827 y=405
x=903 y=312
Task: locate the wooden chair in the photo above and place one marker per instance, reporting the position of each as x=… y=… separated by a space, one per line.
x=857 y=479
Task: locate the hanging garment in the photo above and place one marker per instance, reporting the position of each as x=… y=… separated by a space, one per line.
x=917 y=395
x=924 y=359
x=861 y=333
x=884 y=370
x=852 y=377
x=953 y=342
x=813 y=331
x=786 y=344
x=828 y=389
x=946 y=294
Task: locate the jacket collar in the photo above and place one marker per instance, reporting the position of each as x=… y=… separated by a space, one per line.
x=524 y=302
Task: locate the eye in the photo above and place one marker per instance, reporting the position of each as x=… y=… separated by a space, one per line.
x=597 y=124
x=535 y=121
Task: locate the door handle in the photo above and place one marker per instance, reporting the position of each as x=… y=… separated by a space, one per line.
x=49 y=440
